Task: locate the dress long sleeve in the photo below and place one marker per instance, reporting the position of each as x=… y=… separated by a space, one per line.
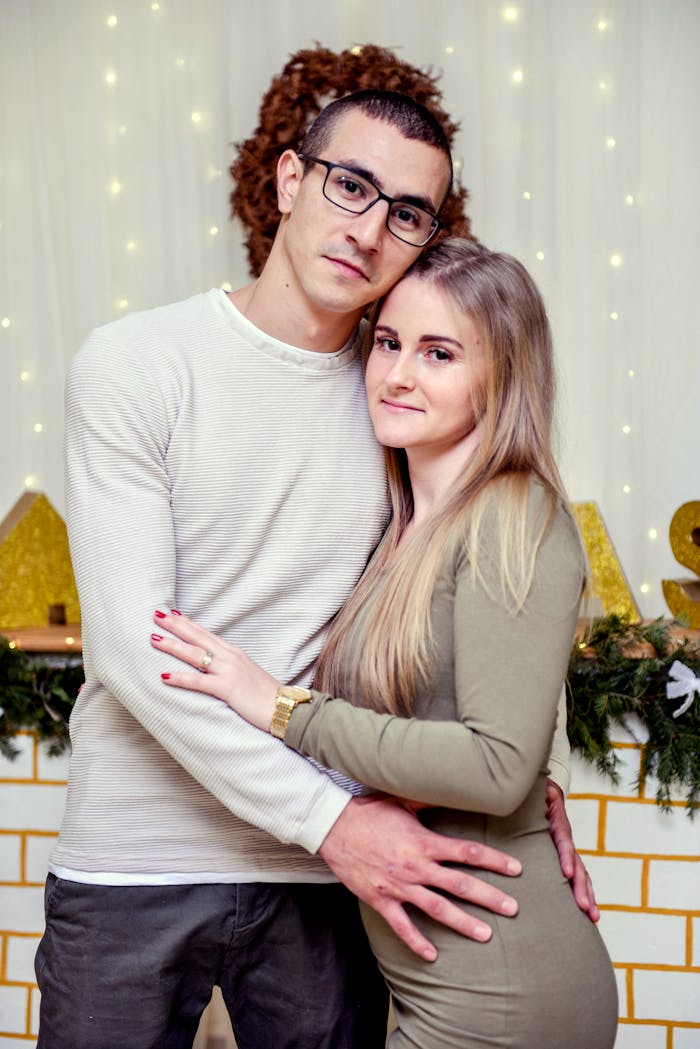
x=508 y=674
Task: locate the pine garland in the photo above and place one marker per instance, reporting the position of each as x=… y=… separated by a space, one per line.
x=35 y=696
x=620 y=669
x=617 y=669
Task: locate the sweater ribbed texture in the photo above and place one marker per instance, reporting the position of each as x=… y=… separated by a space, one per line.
x=215 y=470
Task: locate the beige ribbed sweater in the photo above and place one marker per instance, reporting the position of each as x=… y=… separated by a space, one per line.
x=212 y=469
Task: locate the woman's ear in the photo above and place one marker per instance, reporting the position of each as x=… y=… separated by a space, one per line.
x=290 y=171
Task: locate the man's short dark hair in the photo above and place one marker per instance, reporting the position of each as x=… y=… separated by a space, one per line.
x=409 y=117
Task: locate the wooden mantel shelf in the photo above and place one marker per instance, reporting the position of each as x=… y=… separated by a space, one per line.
x=65 y=638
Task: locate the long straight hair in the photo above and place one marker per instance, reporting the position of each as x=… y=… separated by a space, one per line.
x=388 y=614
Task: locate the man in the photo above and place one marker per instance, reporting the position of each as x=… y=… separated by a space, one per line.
x=220 y=460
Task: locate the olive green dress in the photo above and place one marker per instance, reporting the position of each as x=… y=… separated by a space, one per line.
x=476 y=749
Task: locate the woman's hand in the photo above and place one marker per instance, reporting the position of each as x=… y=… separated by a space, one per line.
x=221 y=670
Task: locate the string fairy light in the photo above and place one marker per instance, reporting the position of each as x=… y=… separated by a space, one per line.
x=517 y=76
x=510 y=14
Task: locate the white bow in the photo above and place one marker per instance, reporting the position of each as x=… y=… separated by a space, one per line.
x=684 y=683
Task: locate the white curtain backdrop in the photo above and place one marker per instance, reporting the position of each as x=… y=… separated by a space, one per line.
x=579 y=144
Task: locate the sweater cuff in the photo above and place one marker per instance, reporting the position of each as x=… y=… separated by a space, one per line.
x=322 y=817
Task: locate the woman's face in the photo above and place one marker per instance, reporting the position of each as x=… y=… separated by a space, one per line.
x=426 y=363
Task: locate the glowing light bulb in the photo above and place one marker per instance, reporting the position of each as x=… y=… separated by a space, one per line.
x=644 y=588
x=226 y=285
x=458 y=165
x=115 y=187
x=517 y=76
x=626 y=489
x=155 y=6
x=110 y=77
x=603 y=85
x=616 y=261
x=356 y=50
x=24 y=376
x=510 y=13
x=38 y=427
x=449 y=50
x=602 y=25
x=131 y=246
x=29 y=481
x=112 y=20
x=12 y=644
x=540 y=256
x=626 y=429
x=614 y=316
x=196 y=117
x=610 y=142
x=629 y=200
x=70 y=640
x=630 y=373
x=527 y=195
x=122 y=129
x=5 y=322
x=653 y=534
x=123 y=304
x=213 y=230
x=180 y=63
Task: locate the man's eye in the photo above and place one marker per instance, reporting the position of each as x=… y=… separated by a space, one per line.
x=350 y=187
x=408 y=217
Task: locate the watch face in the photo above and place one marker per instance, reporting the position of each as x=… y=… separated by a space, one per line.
x=295 y=692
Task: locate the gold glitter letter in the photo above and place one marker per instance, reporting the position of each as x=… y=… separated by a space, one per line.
x=683 y=595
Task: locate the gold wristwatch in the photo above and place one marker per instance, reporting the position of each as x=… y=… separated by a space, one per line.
x=288 y=697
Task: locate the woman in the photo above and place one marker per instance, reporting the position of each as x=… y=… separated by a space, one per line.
x=453 y=648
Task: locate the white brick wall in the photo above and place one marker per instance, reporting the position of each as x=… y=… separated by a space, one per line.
x=644 y=939
x=585 y=779
x=13 y=1010
x=674 y=884
x=38 y=848
x=637 y=1036
x=584 y=821
x=22 y=766
x=20 y=958
x=30 y=806
x=667 y=996
x=685 y=1038
x=10 y=857
x=21 y=909
x=617 y=881
x=53 y=769
x=643 y=828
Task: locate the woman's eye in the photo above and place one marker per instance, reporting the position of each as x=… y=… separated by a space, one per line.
x=385 y=343
x=439 y=355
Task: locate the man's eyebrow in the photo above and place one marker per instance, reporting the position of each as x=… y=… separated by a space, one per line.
x=405 y=198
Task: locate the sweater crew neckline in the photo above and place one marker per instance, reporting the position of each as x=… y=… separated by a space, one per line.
x=272 y=347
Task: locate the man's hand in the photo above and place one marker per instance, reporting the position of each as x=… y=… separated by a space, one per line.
x=382 y=853
x=571 y=863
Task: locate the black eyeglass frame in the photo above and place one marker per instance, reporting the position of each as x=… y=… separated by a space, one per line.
x=330 y=165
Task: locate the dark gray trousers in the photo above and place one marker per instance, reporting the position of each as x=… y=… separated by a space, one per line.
x=133 y=967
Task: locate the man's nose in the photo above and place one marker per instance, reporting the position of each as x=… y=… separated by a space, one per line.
x=368 y=228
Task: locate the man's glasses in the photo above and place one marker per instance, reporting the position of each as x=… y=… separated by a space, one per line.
x=352 y=192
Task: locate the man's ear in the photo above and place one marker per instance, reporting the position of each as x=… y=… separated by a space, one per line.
x=290 y=171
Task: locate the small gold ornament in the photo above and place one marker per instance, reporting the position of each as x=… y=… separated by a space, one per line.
x=683 y=595
x=607 y=582
x=35 y=565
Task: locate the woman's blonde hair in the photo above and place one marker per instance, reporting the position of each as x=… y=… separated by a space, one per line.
x=389 y=610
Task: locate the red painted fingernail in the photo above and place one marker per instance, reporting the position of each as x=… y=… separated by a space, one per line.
x=156 y=637
x=175 y=612
x=166 y=677
x=159 y=614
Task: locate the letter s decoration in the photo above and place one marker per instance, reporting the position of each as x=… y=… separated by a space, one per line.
x=683 y=595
